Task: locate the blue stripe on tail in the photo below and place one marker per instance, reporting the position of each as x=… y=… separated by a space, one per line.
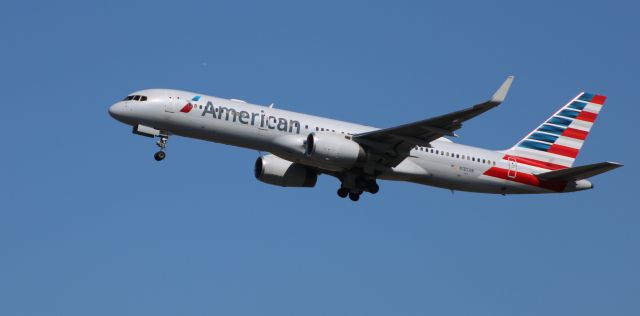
x=569 y=113
x=534 y=145
x=543 y=137
x=577 y=105
x=559 y=121
x=551 y=129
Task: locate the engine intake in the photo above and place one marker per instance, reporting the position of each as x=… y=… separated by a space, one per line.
x=277 y=171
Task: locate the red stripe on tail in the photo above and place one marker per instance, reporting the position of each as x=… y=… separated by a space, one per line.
x=599 y=99
x=575 y=133
x=587 y=116
x=563 y=151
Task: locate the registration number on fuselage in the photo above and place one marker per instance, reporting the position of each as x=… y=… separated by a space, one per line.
x=466 y=169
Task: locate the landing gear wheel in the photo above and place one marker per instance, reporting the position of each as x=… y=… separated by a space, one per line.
x=159 y=155
x=373 y=187
x=354 y=196
x=343 y=192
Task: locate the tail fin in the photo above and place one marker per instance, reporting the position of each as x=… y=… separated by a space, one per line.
x=555 y=144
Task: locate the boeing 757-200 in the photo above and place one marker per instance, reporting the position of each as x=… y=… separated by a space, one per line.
x=300 y=147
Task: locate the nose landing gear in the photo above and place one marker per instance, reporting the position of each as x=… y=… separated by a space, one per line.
x=162 y=143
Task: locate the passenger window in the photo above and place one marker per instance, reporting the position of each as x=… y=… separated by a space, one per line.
x=437 y=152
x=457 y=156
x=473 y=159
x=462 y=157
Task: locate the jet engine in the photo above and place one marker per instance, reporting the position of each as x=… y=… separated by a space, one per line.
x=334 y=152
x=274 y=170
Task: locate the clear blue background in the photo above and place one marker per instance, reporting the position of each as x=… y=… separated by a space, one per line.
x=90 y=224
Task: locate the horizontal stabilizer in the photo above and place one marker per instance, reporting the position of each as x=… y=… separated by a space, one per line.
x=579 y=173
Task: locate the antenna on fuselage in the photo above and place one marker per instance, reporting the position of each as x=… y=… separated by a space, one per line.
x=271 y=106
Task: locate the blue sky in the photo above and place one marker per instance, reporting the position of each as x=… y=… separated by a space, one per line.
x=90 y=224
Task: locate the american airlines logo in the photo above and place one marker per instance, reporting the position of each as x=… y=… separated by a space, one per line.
x=188 y=107
x=262 y=119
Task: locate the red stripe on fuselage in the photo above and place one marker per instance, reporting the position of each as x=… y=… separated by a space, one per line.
x=587 y=116
x=563 y=151
x=575 y=133
x=527 y=179
x=535 y=163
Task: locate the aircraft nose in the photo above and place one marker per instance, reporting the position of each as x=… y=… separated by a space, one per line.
x=117 y=111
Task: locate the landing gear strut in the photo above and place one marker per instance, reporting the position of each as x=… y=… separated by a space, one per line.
x=162 y=143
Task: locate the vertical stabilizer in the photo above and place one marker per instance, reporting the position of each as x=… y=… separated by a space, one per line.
x=555 y=144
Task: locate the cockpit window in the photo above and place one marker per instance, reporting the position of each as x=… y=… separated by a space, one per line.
x=135 y=98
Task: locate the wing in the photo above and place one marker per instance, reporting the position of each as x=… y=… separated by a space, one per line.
x=395 y=143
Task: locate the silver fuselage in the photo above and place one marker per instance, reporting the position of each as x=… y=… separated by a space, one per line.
x=262 y=128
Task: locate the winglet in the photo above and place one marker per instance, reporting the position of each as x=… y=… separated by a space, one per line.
x=501 y=93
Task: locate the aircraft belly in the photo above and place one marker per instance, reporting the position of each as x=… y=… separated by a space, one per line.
x=220 y=131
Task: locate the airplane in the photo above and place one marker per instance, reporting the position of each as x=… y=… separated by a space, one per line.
x=300 y=147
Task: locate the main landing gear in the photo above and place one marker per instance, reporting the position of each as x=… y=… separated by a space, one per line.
x=162 y=143
x=360 y=185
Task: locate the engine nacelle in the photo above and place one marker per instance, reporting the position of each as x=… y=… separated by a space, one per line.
x=274 y=170
x=334 y=152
